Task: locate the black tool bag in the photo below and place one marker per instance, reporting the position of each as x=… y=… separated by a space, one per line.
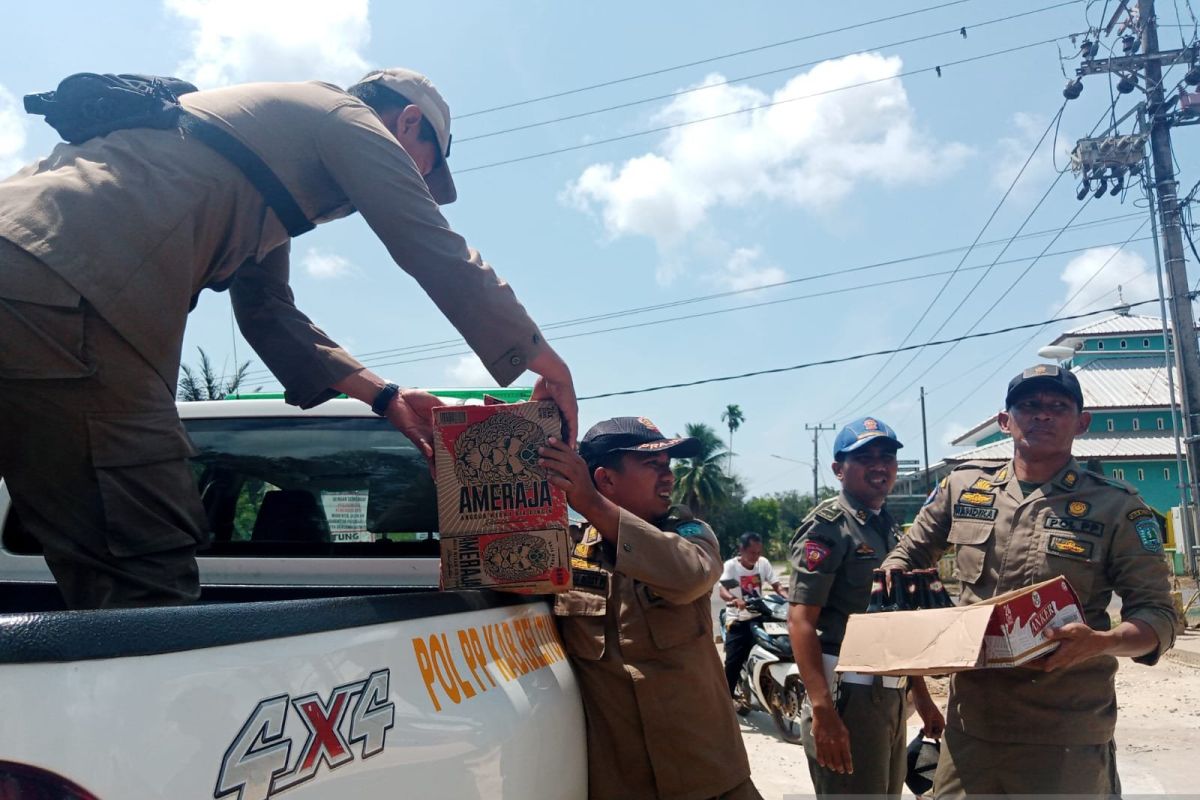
x=88 y=104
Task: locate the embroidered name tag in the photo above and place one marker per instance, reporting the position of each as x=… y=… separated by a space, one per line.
x=973 y=512
x=589 y=579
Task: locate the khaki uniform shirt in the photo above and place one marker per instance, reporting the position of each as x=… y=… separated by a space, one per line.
x=835 y=550
x=139 y=221
x=1098 y=534
x=638 y=628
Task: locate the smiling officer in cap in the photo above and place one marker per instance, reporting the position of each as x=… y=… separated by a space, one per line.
x=638 y=624
x=852 y=725
x=106 y=245
x=1046 y=727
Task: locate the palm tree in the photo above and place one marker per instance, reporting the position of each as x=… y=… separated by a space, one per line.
x=700 y=483
x=733 y=417
x=207 y=385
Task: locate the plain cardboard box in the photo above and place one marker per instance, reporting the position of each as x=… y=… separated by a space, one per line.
x=529 y=562
x=1005 y=631
x=488 y=477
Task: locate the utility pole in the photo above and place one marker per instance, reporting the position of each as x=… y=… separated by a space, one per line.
x=1112 y=157
x=925 y=442
x=816 y=429
x=1187 y=353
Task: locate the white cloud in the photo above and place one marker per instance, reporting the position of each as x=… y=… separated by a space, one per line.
x=743 y=271
x=12 y=133
x=1125 y=269
x=321 y=265
x=1015 y=148
x=811 y=153
x=951 y=431
x=469 y=371
x=235 y=41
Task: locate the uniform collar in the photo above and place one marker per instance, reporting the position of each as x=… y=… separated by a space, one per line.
x=860 y=511
x=1002 y=475
x=1068 y=477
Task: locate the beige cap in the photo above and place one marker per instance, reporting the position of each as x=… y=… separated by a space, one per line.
x=421 y=92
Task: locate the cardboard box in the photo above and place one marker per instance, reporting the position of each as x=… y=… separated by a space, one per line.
x=488 y=478
x=529 y=562
x=1005 y=631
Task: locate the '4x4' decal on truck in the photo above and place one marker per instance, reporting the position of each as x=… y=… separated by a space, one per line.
x=258 y=764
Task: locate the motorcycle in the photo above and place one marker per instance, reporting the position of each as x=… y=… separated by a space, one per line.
x=770 y=679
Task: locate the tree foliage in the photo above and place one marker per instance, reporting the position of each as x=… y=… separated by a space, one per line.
x=205 y=384
x=733 y=418
x=720 y=499
x=700 y=482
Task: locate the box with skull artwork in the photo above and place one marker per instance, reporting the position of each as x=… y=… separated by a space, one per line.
x=503 y=524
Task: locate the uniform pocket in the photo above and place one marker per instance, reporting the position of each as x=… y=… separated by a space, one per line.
x=970 y=540
x=42 y=342
x=670 y=625
x=150 y=500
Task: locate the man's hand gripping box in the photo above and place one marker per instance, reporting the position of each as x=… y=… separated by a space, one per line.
x=1006 y=631
x=503 y=524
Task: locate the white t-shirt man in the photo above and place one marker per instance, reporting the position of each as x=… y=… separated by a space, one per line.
x=750 y=583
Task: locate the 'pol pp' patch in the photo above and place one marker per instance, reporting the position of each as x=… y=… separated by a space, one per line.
x=690 y=529
x=814 y=553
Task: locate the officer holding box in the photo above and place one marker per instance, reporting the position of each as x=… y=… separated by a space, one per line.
x=1046 y=727
x=638 y=624
x=853 y=725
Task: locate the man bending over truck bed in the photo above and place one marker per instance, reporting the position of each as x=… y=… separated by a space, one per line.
x=638 y=624
x=104 y=247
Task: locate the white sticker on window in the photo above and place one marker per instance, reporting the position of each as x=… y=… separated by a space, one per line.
x=346 y=513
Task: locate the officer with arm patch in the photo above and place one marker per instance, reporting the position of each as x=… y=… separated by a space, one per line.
x=853 y=725
x=638 y=624
x=1047 y=727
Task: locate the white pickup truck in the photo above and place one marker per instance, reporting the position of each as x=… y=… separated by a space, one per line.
x=321 y=662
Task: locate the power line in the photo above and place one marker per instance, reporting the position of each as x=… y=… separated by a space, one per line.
x=983 y=316
x=929 y=307
x=718 y=312
x=1058 y=176
x=711 y=59
x=762 y=304
x=794 y=67
x=1069 y=300
x=732 y=309
x=748 y=109
x=844 y=359
x=1037 y=332
x=444 y=344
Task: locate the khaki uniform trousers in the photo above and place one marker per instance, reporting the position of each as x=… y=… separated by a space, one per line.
x=95 y=459
x=875 y=717
x=970 y=766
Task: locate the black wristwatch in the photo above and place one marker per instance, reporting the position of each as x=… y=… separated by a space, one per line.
x=384 y=399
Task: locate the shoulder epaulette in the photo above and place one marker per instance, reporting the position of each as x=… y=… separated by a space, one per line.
x=829 y=511
x=1120 y=484
x=680 y=512
x=986 y=466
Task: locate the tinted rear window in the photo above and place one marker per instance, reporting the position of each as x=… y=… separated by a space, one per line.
x=313 y=485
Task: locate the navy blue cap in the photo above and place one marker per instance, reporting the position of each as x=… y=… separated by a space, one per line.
x=1044 y=377
x=633 y=435
x=862 y=432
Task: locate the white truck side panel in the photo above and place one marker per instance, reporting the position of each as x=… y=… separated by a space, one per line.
x=457 y=706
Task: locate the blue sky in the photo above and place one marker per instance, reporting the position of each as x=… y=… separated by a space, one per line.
x=822 y=179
